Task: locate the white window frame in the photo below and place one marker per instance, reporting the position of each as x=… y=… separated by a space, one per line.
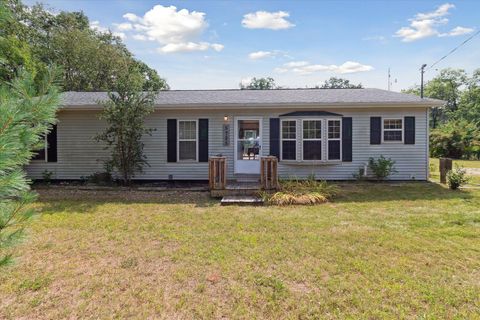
x=289 y=139
x=196 y=140
x=401 y=130
x=333 y=139
x=322 y=140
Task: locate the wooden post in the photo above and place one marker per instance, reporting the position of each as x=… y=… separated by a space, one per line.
x=268 y=173
x=217 y=173
x=445 y=166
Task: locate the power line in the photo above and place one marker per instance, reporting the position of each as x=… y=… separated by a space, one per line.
x=454 y=49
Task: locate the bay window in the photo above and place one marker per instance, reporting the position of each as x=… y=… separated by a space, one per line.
x=312 y=139
x=187 y=140
x=289 y=140
x=334 y=139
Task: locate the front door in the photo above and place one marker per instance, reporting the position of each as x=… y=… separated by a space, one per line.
x=248 y=145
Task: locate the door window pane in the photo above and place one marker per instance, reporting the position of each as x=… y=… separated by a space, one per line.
x=248 y=144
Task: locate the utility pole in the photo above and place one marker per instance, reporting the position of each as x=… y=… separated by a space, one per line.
x=422 y=71
x=389 y=79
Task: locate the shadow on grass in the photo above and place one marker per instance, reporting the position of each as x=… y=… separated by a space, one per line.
x=83 y=201
x=386 y=191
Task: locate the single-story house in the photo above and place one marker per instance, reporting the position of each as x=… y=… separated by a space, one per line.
x=329 y=133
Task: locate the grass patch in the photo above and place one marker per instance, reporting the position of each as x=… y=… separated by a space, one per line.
x=403 y=250
x=301 y=192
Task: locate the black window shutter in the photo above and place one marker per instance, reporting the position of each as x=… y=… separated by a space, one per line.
x=172 y=140
x=203 y=140
x=347 y=139
x=275 y=137
x=375 y=130
x=409 y=133
x=52 y=144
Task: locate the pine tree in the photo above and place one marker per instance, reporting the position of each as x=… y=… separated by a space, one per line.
x=27 y=112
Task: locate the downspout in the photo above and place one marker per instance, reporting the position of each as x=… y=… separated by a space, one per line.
x=427 y=145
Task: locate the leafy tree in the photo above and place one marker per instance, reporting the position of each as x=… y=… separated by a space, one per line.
x=339 y=83
x=15 y=53
x=125 y=112
x=260 y=84
x=445 y=86
x=91 y=60
x=456 y=139
x=26 y=113
x=469 y=105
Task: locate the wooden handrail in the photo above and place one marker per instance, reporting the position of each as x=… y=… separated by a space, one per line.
x=269 y=173
x=217 y=173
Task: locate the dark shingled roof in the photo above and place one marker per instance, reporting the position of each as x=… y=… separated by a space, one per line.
x=264 y=97
x=311 y=114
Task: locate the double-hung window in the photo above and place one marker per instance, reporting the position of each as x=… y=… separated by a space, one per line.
x=333 y=139
x=312 y=139
x=289 y=139
x=392 y=130
x=187 y=140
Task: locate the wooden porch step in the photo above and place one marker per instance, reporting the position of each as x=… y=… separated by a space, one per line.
x=237 y=189
x=247 y=177
x=241 y=201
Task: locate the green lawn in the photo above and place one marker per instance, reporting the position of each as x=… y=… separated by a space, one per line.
x=379 y=251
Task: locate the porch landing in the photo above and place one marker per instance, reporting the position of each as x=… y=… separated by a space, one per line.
x=237 y=188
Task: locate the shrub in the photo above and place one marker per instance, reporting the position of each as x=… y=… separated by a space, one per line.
x=305 y=192
x=456 y=139
x=456 y=177
x=381 y=167
x=47 y=176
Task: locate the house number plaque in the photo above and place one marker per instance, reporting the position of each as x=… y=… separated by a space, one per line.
x=226 y=134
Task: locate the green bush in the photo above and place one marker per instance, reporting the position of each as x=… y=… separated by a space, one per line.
x=457 y=177
x=381 y=167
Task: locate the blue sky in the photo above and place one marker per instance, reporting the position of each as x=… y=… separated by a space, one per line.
x=217 y=44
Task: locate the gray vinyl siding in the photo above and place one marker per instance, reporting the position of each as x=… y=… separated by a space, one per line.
x=79 y=155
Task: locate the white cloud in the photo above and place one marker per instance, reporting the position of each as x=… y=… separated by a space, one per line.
x=280 y=70
x=189 y=47
x=305 y=68
x=425 y=25
x=294 y=64
x=176 y=30
x=260 y=55
x=123 y=26
x=140 y=37
x=267 y=20
x=457 y=31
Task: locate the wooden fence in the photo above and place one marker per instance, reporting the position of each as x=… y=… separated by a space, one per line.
x=269 y=173
x=217 y=173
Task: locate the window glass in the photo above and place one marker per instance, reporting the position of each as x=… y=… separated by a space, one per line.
x=334 y=129
x=392 y=124
x=312 y=150
x=392 y=129
x=312 y=129
x=289 y=129
x=187 y=140
x=187 y=130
